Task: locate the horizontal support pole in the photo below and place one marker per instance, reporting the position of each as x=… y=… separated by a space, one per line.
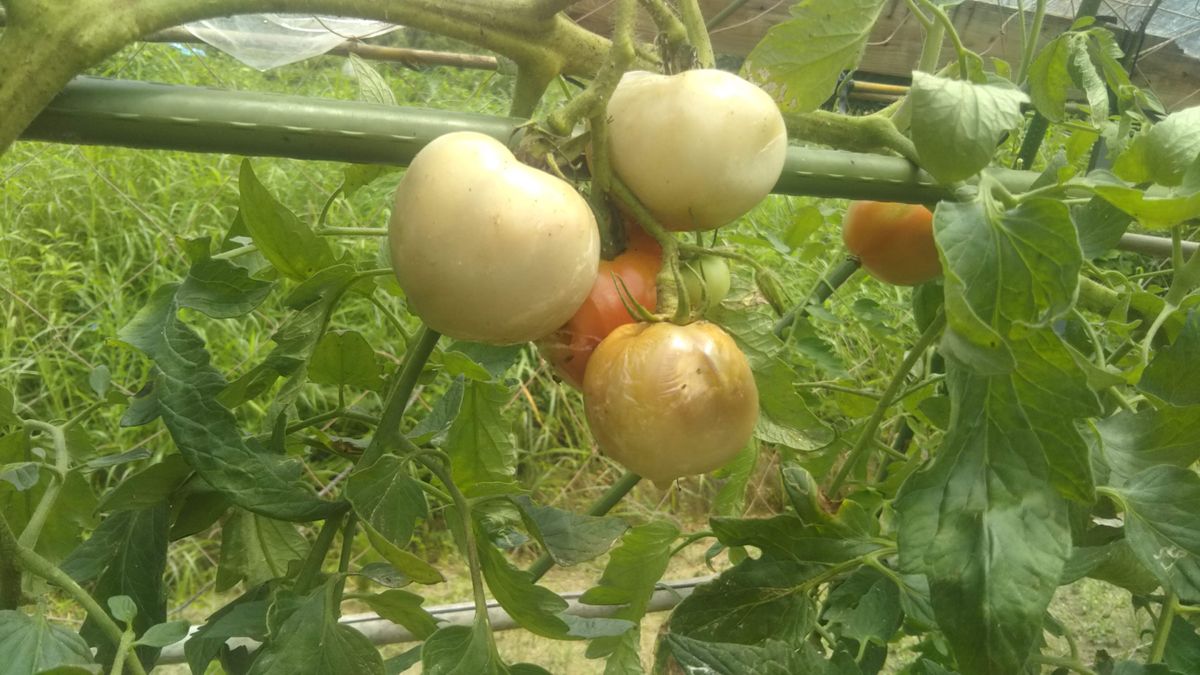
x=96 y=111
x=383 y=632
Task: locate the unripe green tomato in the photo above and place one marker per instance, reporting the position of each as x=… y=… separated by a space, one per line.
x=707 y=281
x=699 y=149
x=486 y=248
x=667 y=401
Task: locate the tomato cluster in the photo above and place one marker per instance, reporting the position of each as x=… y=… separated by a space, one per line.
x=489 y=250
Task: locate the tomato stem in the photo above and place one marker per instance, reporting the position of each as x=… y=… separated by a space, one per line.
x=1162 y=630
x=471 y=546
x=886 y=400
x=697 y=32
x=388 y=431
x=28 y=560
x=832 y=280
x=62 y=464
x=594 y=99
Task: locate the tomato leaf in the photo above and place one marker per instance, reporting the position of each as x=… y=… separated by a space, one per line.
x=220 y=289
x=786 y=538
x=1084 y=75
x=865 y=607
x=387 y=498
x=1131 y=442
x=799 y=61
x=256 y=549
x=1174 y=373
x=148 y=487
x=784 y=416
x=1050 y=80
x=8 y=405
x=310 y=640
x=771 y=658
x=480 y=446
x=1183 y=647
x=415 y=568
x=1100 y=226
x=1160 y=507
x=1022 y=274
x=1173 y=145
x=956 y=124
x=1153 y=210
x=751 y=603
x=345 y=358
x=433 y=426
x=290 y=245
x=245 y=616
x=568 y=537
x=404 y=608
x=455 y=650
x=629 y=578
x=537 y=608
x=126 y=555
x=983 y=521
x=297 y=338
x=163 y=634
x=206 y=432
x=31 y=644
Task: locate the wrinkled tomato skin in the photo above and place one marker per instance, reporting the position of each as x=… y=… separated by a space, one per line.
x=667 y=401
x=894 y=242
x=569 y=348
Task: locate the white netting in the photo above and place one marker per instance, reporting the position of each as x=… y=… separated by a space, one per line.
x=1178 y=21
x=266 y=41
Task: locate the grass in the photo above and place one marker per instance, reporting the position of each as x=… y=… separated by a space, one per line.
x=87 y=233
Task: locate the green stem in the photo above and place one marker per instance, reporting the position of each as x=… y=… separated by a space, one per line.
x=1060 y=662
x=391 y=317
x=306 y=580
x=38 y=566
x=941 y=17
x=62 y=464
x=235 y=252
x=868 y=133
x=123 y=648
x=472 y=547
x=10 y=571
x=1035 y=133
x=600 y=507
x=1162 y=630
x=931 y=48
x=328 y=205
x=352 y=231
x=593 y=100
x=388 y=431
x=697 y=32
x=867 y=437
x=832 y=280
x=719 y=17
x=1031 y=41
x=670 y=297
x=348 y=531
x=532 y=82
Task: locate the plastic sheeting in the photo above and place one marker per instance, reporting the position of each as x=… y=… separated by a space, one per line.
x=266 y=41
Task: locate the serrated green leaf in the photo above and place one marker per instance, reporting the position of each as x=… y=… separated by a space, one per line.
x=433 y=426
x=403 y=608
x=256 y=549
x=1173 y=145
x=148 y=487
x=291 y=246
x=310 y=640
x=164 y=634
x=568 y=537
x=479 y=443
x=1130 y=442
x=387 y=498
x=245 y=616
x=345 y=358
x=418 y=570
x=1084 y=75
x=206 y=432
x=31 y=644
x=751 y=603
x=800 y=60
x=220 y=289
x=371 y=85
x=1160 y=524
x=1174 y=373
x=956 y=124
x=1049 y=79
x=459 y=650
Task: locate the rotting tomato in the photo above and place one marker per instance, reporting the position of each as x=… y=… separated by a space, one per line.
x=667 y=401
x=699 y=149
x=486 y=248
x=894 y=242
x=570 y=347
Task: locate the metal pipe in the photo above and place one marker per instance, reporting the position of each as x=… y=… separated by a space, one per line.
x=383 y=632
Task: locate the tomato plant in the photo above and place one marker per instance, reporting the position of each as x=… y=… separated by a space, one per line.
x=667 y=401
x=489 y=249
x=894 y=242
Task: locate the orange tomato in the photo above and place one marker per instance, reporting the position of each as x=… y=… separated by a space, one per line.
x=894 y=242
